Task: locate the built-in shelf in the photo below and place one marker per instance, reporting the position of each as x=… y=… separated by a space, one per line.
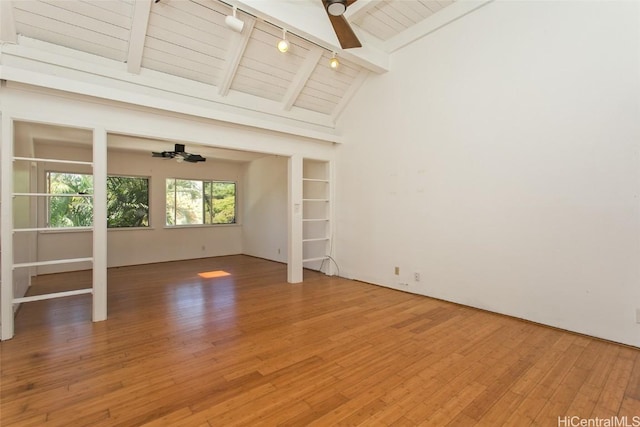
x=69 y=162
x=316 y=217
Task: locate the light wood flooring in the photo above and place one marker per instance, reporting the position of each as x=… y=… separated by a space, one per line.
x=249 y=349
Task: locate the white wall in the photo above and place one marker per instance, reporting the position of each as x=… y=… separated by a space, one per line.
x=500 y=159
x=265 y=209
x=141 y=246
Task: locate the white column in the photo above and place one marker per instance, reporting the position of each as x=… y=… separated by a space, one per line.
x=294 y=263
x=6 y=226
x=99 y=224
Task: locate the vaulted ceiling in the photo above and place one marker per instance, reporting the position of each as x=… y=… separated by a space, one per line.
x=184 y=48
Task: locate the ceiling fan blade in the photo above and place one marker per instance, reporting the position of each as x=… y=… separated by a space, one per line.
x=344 y=32
x=194 y=158
x=165 y=154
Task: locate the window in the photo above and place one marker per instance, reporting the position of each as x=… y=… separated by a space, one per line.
x=200 y=202
x=127 y=200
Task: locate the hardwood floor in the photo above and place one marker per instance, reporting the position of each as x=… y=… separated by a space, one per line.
x=249 y=349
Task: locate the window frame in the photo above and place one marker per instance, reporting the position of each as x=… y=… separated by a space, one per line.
x=204 y=213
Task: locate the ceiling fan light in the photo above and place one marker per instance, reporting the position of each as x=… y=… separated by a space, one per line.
x=336 y=7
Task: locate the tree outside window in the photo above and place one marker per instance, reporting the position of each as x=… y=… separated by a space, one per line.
x=200 y=202
x=127 y=200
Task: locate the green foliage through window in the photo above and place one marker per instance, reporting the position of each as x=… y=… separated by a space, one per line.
x=200 y=202
x=127 y=200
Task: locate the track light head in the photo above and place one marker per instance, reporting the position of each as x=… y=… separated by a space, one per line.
x=233 y=22
x=333 y=62
x=283 y=45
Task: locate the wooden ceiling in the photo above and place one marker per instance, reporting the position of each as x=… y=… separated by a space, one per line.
x=184 y=47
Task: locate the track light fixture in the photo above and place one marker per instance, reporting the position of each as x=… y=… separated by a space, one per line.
x=283 y=45
x=336 y=7
x=233 y=22
x=333 y=62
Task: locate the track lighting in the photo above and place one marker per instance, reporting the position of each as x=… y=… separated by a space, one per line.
x=283 y=45
x=336 y=7
x=333 y=62
x=233 y=22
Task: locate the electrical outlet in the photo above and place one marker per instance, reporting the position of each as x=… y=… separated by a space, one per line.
x=403 y=284
x=204 y=248
x=278 y=251
x=637 y=315
x=416 y=277
x=397 y=271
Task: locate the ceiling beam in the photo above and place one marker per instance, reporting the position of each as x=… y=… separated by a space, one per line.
x=139 y=24
x=235 y=53
x=301 y=78
x=7 y=24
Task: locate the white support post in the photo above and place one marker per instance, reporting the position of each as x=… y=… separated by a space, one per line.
x=331 y=270
x=6 y=226
x=294 y=264
x=99 y=224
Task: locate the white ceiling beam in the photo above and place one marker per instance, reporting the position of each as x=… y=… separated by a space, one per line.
x=436 y=21
x=139 y=24
x=7 y=24
x=301 y=78
x=234 y=55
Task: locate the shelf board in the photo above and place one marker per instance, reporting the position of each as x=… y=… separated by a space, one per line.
x=316 y=239
x=53 y=195
x=52 y=262
x=320 y=258
x=58 y=229
x=315 y=219
x=53 y=295
x=315 y=200
x=315 y=180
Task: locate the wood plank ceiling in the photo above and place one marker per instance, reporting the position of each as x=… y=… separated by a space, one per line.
x=188 y=39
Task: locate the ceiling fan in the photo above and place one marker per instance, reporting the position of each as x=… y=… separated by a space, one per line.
x=335 y=11
x=179 y=154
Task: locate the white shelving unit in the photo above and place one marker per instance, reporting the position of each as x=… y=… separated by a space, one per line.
x=316 y=214
x=36 y=263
